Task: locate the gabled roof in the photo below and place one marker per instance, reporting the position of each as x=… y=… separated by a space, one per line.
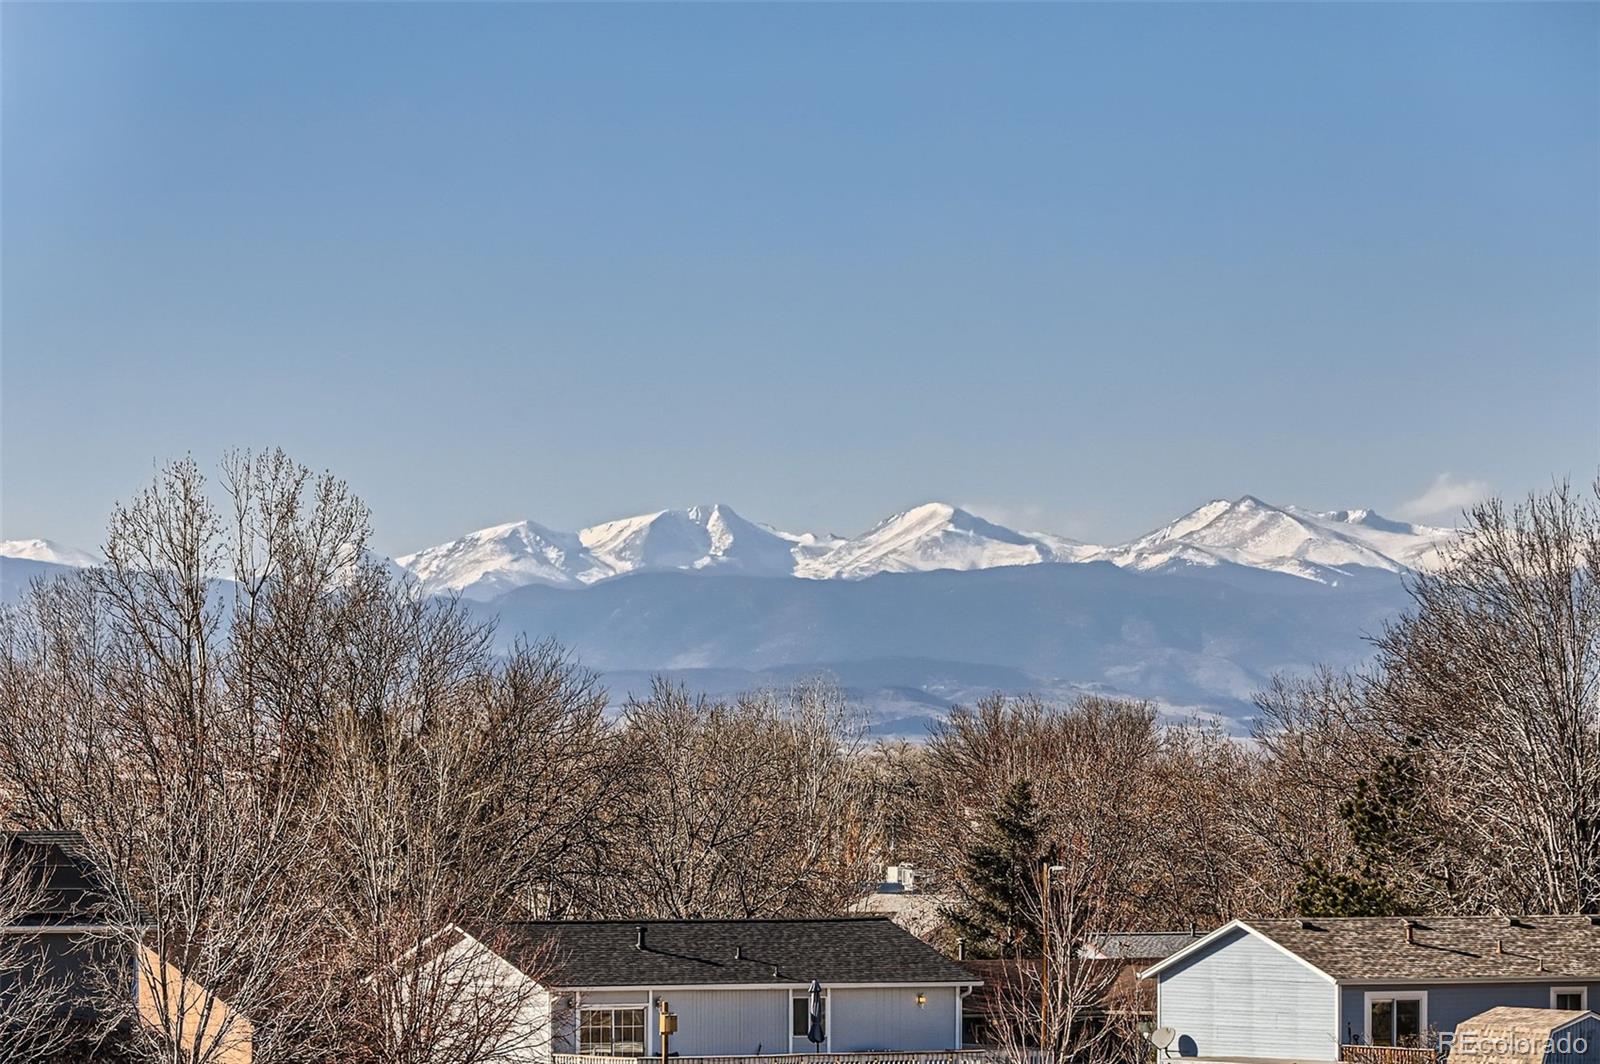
x=71 y=889
x=1361 y=949
x=779 y=952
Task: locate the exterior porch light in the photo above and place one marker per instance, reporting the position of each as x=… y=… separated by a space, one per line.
x=922 y=1000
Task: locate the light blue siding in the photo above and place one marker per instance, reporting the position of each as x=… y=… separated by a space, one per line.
x=889 y=1018
x=1244 y=997
x=1449 y=1004
x=728 y=1022
x=748 y=1021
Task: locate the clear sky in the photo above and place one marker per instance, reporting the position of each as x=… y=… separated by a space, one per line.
x=1079 y=266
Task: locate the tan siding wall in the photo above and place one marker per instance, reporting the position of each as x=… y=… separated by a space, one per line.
x=888 y=1018
x=165 y=994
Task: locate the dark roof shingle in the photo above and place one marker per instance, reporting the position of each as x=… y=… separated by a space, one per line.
x=1375 y=948
x=856 y=949
x=58 y=864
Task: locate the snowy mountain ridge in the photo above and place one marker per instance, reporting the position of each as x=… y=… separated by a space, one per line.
x=1315 y=545
x=47 y=550
x=714 y=538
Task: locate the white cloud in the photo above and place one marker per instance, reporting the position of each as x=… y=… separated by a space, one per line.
x=1447 y=496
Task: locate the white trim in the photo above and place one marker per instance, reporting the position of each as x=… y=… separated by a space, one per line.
x=610 y=1006
x=827 y=1017
x=1338 y=1008
x=1225 y=929
x=1581 y=991
x=1392 y=995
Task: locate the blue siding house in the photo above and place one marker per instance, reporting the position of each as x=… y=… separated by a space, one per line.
x=1300 y=989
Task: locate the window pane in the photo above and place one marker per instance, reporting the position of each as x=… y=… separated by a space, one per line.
x=1570 y=1002
x=594 y=1036
x=1382 y=1022
x=802 y=1016
x=628 y=1032
x=1408 y=1023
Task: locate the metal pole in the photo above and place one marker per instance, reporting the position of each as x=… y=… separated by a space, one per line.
x=1044 y=956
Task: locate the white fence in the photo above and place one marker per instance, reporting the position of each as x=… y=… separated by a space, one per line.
x=964 y=1056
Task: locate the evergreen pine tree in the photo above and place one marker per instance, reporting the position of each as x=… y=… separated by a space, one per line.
x=1381 y=817
x=1000 y=872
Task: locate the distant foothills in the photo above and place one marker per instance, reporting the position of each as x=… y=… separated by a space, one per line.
x=931 y=606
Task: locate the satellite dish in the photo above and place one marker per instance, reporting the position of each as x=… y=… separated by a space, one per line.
x=1162 y=1037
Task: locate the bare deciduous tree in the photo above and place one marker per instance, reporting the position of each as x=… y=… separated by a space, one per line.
x=757 y=807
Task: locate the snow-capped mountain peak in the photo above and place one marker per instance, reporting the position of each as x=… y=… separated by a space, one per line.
x=494 y=560
x=1307 y=543
x=935 y=535
x=709 y=536
x=47 y=550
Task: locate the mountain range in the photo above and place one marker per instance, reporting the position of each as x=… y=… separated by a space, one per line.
x=1316 y=545
x=931 y=606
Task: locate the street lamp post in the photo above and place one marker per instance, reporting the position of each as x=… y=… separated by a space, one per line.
x=1044 y=951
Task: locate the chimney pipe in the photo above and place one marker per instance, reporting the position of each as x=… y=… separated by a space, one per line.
x=738 y=953
x=961 y=949
x=1500 y=946
x=640 y=943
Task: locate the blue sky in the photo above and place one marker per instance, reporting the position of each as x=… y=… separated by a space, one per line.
x=1079 y=266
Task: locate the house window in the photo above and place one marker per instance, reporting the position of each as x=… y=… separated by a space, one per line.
x=1570 y=998
x=1397 y=1019
x=612 y=1032
x=801 y=1007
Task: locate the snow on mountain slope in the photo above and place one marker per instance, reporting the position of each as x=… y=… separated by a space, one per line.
x=1306 y=543
x=934 y=535
x=700 y=537
x=492 y=561
x=1316 y=545
x=45 y=550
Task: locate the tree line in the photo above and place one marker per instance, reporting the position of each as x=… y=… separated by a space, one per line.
x=298 y=771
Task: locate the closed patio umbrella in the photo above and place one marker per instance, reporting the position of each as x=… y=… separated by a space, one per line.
x=814 y=1026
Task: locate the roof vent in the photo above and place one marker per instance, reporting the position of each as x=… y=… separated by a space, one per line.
x=1411 y=928
x=1595 y=921
x=1307 y=925
x=1512 y=921
x=738 y=953
x=639 y=944
x=1500 y=946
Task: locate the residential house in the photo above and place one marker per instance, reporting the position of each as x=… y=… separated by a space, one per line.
x=1118 y=956
x=1132 y=952
x=1301 y=989
x=66 y=928
x=736 y=987
x=56 y=920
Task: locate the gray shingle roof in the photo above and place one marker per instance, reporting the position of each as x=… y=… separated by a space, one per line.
x=857 y=949
x=71 y=889
x=1374 y=948
x=1141 y=945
